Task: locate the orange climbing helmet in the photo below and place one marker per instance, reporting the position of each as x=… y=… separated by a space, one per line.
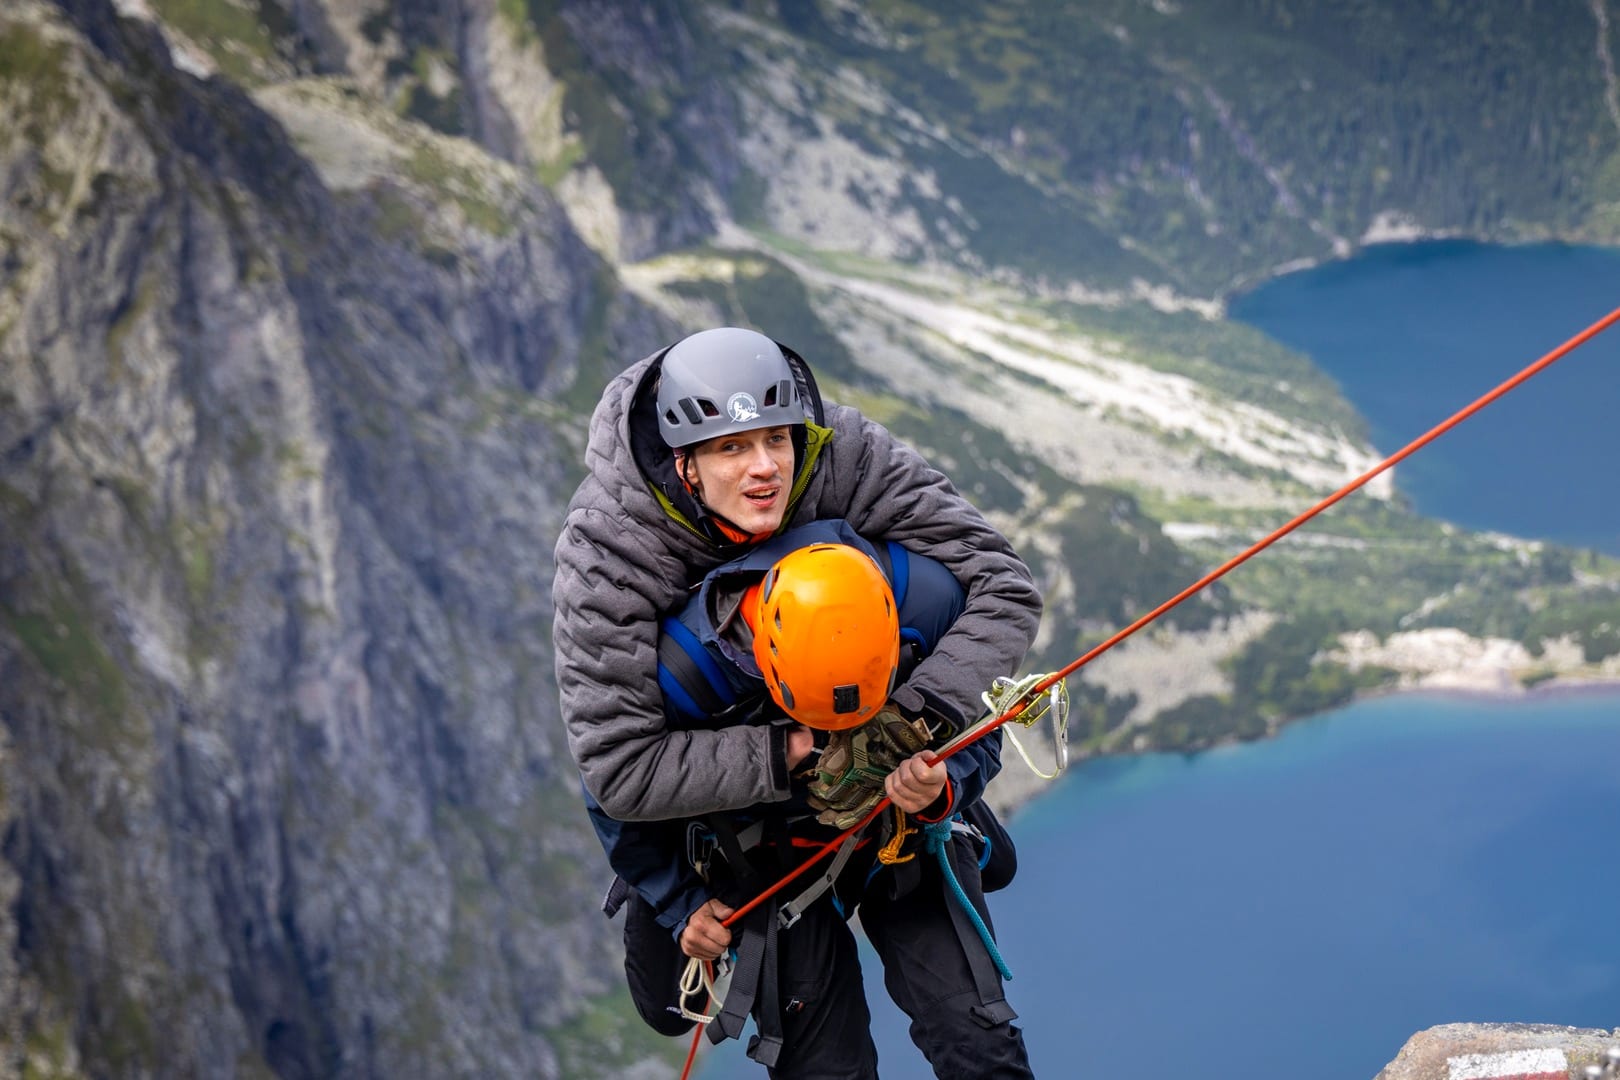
x=827 y=636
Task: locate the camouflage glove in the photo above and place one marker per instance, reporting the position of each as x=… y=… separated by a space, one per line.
x=849 y=777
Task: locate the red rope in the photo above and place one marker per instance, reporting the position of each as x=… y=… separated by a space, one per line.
x=1208 y=579
x=691 y=1053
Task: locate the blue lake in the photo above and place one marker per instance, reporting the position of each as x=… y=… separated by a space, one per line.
x=1300 y=907
x=1413 y=333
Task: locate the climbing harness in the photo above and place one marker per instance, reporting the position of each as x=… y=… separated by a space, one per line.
x=789 y=913
x=1022 y=701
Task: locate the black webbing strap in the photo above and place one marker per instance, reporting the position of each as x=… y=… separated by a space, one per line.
x=992 y=1008
x=732 y=845
x=617 y=893
x=754 y=976
x=766 y=1045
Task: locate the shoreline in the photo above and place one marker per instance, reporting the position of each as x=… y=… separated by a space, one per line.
x=1558 y=686
x=1016 y=786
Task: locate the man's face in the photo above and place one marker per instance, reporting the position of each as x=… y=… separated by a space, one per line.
x=745 y=478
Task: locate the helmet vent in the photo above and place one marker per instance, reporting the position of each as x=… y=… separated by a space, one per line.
x=780 y=394
x=696 y=409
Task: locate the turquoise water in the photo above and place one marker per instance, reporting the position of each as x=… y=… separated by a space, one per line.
x=1414 y=333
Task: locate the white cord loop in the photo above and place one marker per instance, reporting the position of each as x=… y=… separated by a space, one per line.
x=711 y=977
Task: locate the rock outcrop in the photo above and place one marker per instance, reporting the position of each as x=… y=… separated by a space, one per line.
x=1507 y=1052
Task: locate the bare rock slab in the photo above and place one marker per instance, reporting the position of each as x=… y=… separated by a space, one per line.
x=1505 y=1052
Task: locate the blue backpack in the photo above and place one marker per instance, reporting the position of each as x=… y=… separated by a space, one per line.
x=708 y=682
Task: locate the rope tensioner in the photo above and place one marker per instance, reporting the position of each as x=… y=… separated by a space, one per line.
x=1037 y=696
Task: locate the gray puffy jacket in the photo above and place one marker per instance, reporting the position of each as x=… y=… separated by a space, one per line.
x=627 y=555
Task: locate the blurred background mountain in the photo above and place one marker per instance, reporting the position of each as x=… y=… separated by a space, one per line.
x=304 y=305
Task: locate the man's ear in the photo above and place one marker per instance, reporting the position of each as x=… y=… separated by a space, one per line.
x=688 y=479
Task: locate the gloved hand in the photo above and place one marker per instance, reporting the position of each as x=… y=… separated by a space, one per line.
x=849 y=777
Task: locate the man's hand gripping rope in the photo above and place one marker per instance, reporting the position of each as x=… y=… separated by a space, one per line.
x=856 y=767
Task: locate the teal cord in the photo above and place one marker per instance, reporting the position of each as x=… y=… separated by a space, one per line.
x=939 y=842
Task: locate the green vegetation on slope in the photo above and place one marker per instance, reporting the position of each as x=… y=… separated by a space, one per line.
x=1216 y=141
x=1277 y=678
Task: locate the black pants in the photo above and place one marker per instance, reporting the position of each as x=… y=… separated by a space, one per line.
x=927 y=973
x=826 y=1026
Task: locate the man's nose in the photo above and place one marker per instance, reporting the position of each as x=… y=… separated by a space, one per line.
x=760 y=462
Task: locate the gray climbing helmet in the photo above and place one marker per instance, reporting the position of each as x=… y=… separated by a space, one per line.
x=724 y=381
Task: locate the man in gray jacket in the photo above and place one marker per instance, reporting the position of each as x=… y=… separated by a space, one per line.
x=696 y=452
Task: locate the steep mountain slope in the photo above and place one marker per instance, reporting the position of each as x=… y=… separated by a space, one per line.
x=283 y=781
x=1127 y=145
x=303 y=307
x=1198 y=145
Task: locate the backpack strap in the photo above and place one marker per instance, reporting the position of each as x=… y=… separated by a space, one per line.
x=690 y=677
x=899 y=568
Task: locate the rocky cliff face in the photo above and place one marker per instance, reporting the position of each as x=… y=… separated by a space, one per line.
x=281 y=787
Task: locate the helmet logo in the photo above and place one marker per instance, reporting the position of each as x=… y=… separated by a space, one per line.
x=742 y=407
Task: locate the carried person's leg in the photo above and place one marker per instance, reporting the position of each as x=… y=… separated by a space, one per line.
x=959 y=1018
x=826 y=1027
x=653 y=963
